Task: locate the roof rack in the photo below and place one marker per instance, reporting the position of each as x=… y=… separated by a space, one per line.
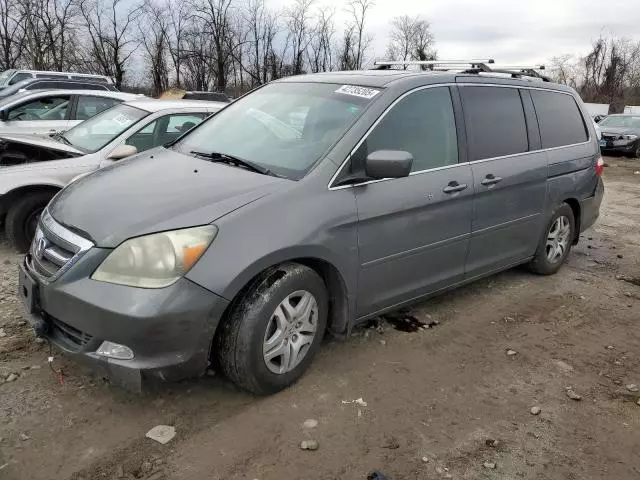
x=468 y=66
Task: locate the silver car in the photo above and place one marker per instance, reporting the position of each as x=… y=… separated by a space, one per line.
x=34 y=168
x=50 y=111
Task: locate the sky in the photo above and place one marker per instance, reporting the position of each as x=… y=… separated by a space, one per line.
x=509 y=31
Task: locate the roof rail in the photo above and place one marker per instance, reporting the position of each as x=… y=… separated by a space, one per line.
x=472 y=66
x=386 y=64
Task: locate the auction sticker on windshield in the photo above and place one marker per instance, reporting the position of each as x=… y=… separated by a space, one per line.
x=122 y=120
x=356 y=91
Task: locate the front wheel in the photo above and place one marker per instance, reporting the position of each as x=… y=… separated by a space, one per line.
x=274 y=329
x=555 y=244
x=22 y=219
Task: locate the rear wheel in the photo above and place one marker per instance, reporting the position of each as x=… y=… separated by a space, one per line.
x=555 y=244
x=22 y=218
x=274 y=329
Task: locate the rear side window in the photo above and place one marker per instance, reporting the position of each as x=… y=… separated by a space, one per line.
x=18 y=77
x=559 y=119
x=50 y=75
x=422 y=124
x=89 y=79
x=495 y=122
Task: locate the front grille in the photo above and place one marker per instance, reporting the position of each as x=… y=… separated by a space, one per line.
x=54 y=248
x=68 y=335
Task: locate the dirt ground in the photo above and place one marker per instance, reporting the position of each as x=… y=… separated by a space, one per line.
x=444 y=402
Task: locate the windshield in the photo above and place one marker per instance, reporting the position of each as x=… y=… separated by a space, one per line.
x=93 y=134
x=284 y=127
x=4 y=77
x=621 y=122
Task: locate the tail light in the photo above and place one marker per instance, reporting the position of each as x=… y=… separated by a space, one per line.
x=599 y=166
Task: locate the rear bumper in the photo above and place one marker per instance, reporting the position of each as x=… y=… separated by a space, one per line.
x=590 y=207
x=169 y=330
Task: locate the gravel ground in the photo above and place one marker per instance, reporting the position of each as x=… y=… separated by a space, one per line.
x=485 y=393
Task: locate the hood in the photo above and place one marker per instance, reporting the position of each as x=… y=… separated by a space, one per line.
x=157 y=191
x=43 y=141
x=21 y=149
x=619 y=130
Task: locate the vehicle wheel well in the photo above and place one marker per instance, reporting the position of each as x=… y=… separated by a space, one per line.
x=338 y=315
x=575 y=207
x=8 y=198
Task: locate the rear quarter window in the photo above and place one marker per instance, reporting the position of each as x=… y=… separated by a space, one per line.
x=495 y=122
x=559 y=119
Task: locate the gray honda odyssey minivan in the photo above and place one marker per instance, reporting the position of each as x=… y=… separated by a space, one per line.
x=309 y=205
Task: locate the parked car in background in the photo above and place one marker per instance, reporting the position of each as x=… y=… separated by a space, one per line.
x=50 y=111
x=13 y=76
x=621 y=134
x=177 y=93
x=36 y=84
x=210 y=96
x=33 y=169
x=247 y=239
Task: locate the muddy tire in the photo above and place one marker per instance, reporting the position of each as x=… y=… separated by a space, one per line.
x=22 y=219
x=274 y=329
x=555 y=242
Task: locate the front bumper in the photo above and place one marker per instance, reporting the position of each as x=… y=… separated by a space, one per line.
x=618 y=146
x=169 y=330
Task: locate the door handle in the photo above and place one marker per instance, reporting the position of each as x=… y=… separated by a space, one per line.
x=490 y=179
x=454 y=187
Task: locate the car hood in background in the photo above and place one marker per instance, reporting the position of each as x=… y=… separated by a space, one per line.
x=157 y=191
x=42 y=141
x=619 y=130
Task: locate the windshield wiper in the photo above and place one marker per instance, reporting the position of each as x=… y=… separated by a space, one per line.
x=60 y=136
x=216 y=157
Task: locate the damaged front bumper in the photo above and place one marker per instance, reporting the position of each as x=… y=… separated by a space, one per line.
x=168 y=330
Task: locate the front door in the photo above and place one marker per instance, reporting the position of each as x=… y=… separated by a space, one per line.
x=413 y=232
x=509 y=177
x=45 y=114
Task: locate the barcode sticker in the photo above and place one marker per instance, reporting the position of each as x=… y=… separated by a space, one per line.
x=356 y=91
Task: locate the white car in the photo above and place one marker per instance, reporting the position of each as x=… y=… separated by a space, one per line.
x=34 y=168
x=50 y=111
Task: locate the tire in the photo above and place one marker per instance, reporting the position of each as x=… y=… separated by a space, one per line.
x=242 y=344
x=543 y=262
x=19 y=222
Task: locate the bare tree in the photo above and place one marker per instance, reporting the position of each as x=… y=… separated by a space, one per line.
x=610 y=70
x=217 y=17
x=566 y=69
x=298 y=22
x=110 y=29
x=321 y=39
x=154 y=34
x=410 y=39
x=358 y=10
x=11 y=34
x=179 y=19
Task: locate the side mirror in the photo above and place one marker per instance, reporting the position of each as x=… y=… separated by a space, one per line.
x=388 y=164
x=122 y=151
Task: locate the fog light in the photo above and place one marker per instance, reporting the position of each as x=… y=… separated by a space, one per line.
x=115 y=350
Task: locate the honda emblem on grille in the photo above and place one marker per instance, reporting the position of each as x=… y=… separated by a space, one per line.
x=41 y=245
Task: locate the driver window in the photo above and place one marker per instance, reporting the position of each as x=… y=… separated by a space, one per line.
x=44 y=108
x=422 y=124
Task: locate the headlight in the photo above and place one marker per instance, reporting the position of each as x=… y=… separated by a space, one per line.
x=629 y=137
x=157 y=260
